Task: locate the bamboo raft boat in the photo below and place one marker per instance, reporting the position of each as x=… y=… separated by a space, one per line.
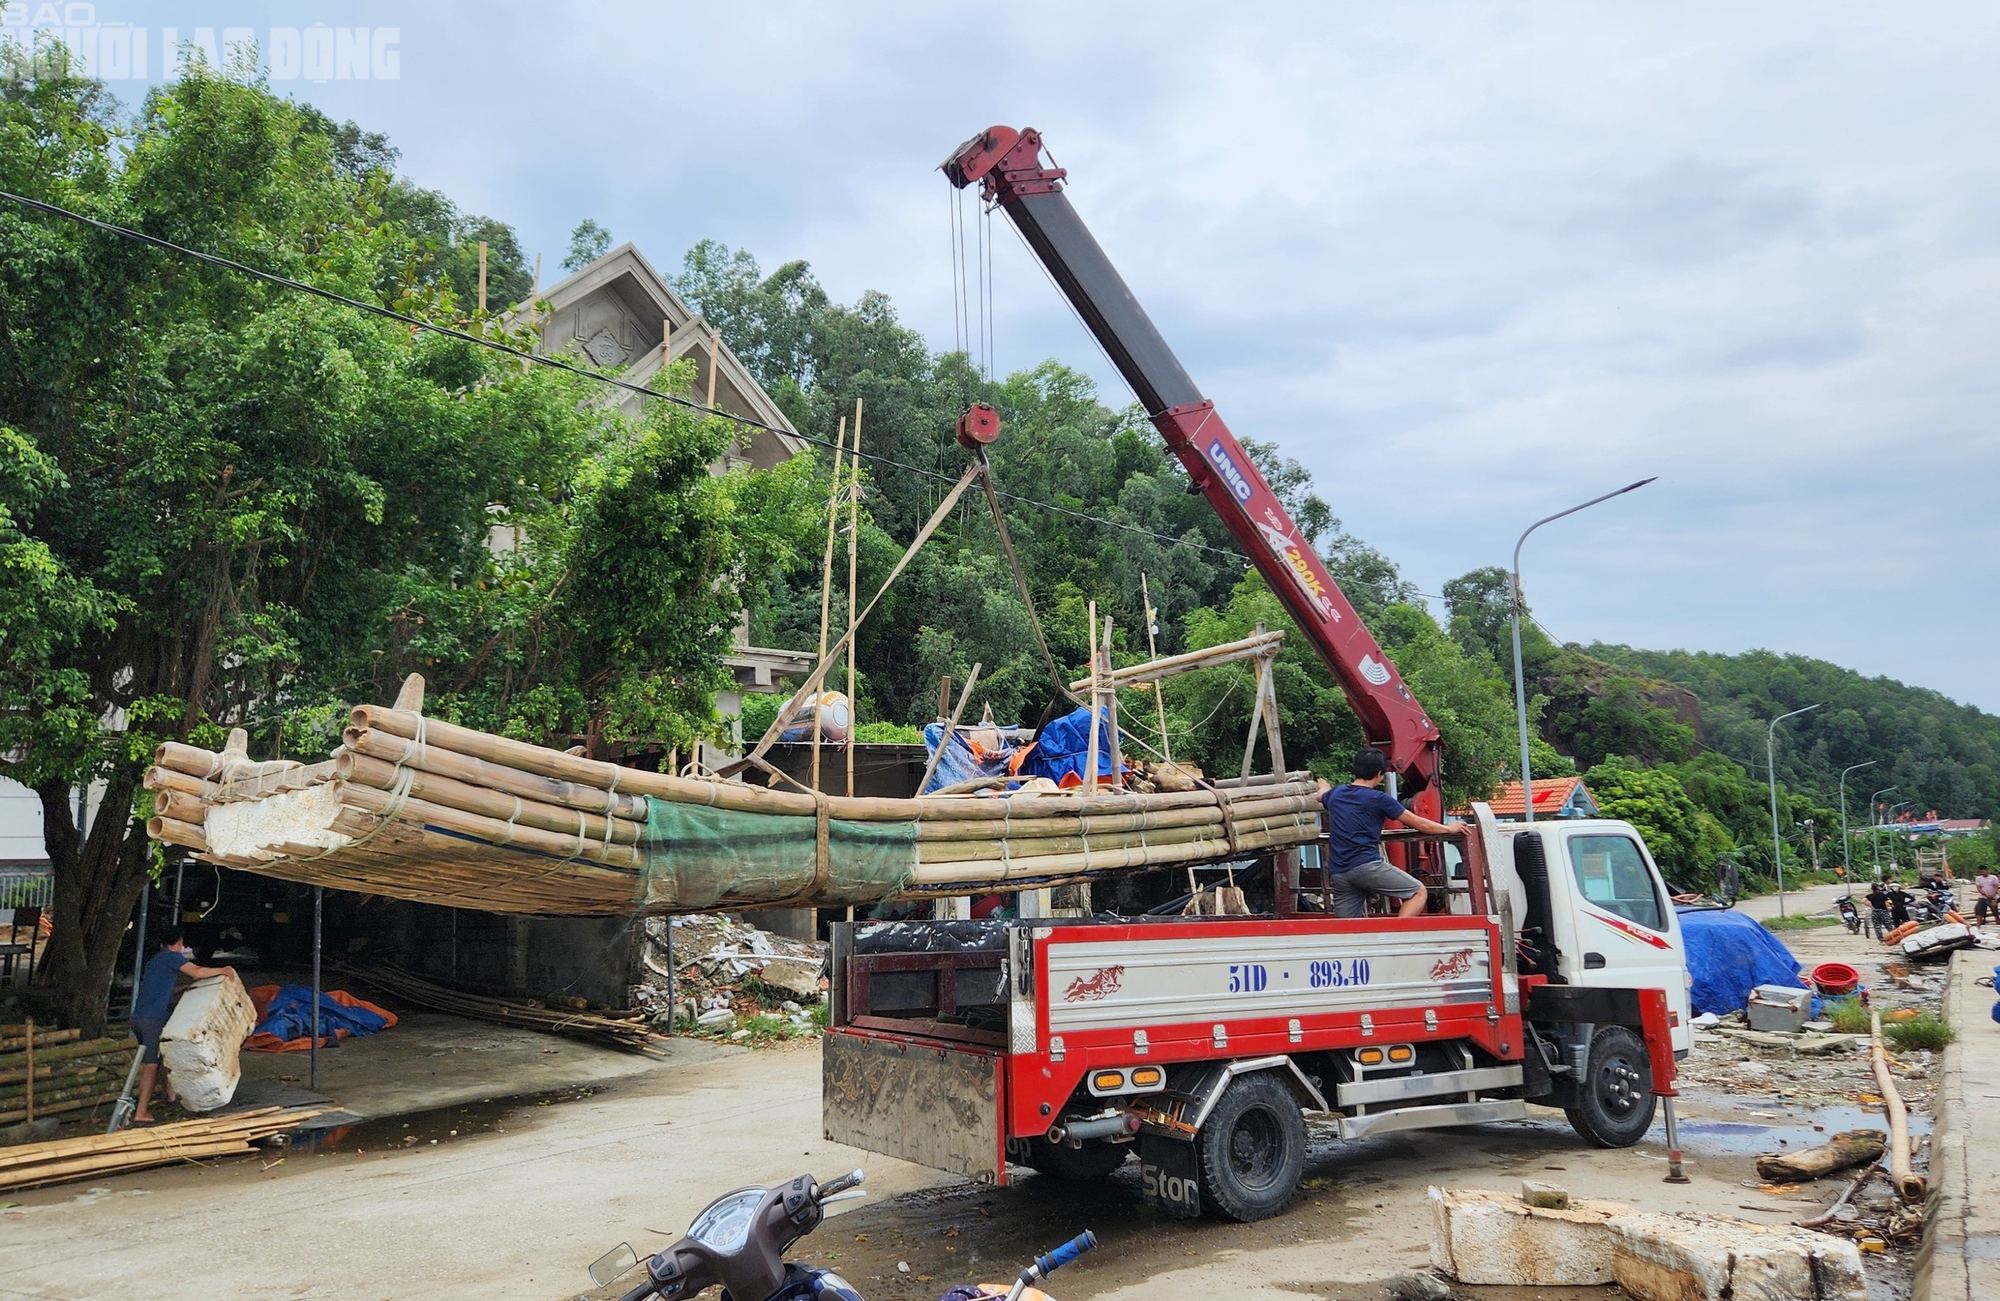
x=413 y=807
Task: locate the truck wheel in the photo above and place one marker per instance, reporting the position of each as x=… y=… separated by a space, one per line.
x=1075 y=1164
x=1252 y=1149
x=1615 y=1098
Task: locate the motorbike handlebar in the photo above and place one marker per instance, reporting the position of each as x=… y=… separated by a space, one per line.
x=834 y=1187
x=1063 y=1255
x=639 y=1293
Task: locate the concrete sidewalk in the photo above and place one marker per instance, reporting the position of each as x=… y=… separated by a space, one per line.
x=1960 y=1260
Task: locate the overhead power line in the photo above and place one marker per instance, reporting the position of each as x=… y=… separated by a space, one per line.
x=557 y=363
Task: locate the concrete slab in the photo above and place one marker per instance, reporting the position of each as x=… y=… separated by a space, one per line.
x=1483 y=1237
x=1960 y=1260
x=430 y=1060
x=1723 y=1258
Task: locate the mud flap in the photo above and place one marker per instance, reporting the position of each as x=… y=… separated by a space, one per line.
x=1169 y=1175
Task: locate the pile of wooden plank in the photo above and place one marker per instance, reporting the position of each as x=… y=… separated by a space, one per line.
x=615 y=1030
x=417 y=808
x=52 y=1072
x=34 y=1164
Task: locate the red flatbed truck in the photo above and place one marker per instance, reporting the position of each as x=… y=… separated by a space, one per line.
x=1550 y=970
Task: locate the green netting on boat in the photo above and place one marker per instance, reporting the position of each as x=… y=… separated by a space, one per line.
x=697 y=857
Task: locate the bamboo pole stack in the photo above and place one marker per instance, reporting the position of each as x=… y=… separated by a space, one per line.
x=52 y=1072
x=616 y=1031
x=34 y=1164
x=417 y=808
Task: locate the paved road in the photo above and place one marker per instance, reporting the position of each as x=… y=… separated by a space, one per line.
x=521 y=1210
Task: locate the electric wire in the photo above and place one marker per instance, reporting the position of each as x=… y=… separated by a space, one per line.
x=557 y=363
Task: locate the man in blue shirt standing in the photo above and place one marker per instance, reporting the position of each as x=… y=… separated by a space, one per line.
x=155 y=1000
x=1354 y=862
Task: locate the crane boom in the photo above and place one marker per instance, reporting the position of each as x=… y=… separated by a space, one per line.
x=1007 y=165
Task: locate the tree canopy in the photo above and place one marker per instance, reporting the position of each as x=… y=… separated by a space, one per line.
x=227 y=504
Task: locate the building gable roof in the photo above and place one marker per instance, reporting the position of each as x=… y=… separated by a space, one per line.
x=618 y=310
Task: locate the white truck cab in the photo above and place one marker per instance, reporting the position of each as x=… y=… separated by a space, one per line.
x=1611 y=921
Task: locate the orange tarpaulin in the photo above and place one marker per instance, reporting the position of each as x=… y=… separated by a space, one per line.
x=270 y=1043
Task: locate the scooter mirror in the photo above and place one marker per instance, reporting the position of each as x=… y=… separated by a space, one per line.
x=608 y=1268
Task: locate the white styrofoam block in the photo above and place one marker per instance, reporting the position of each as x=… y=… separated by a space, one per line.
x=1695 y=1257
x=200 y=1045
x=1483 y=1237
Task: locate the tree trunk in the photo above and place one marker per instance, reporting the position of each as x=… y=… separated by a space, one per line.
x=97 y=884
x=1850 y=1148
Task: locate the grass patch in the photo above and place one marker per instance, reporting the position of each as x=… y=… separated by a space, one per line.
x=1926 y=1031
x=1797 y=922
x=1848 y=1016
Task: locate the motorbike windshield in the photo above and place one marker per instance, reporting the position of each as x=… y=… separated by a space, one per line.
x=725 y=1226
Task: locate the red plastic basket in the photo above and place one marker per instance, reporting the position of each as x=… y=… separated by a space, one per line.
x=1835 y=979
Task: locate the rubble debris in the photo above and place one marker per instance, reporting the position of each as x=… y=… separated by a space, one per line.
x=1545 y=1196
x=1417 y=1285
x=1692 y=1256
x=728 y=973
x=203 y=1041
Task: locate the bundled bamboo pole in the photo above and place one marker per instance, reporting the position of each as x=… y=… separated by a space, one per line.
x=34 y=1164
x=416 y=807
x=619 y=1031
x=40 y=1038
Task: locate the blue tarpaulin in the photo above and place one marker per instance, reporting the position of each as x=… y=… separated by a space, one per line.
x=289 y=1015
x=1062 y=748
x=959 y=762
x=1728 y=955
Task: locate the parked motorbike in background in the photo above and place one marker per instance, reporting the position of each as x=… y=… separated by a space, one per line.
x=740 y=1240
x=1849 y=914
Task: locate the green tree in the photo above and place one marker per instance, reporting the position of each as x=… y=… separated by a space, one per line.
x=1684 y=838
x=225 y=504
x=587 y=243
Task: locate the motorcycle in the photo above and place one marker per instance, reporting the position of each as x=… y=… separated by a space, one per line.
x=1849 y=914
x=740 y=1240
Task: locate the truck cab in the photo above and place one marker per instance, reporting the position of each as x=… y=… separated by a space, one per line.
x=1611 y=919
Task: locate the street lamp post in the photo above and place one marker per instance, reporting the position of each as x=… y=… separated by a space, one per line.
x=1874 y=820
x=1846 y=853
x=1887 y=814
x=1520 y=686
x=1771 y=771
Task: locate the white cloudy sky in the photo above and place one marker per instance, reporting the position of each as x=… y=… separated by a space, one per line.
x=1471 y=263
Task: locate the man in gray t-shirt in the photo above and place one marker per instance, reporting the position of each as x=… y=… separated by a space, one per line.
x=1355 y=866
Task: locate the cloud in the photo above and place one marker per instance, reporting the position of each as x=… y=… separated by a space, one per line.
x=1471 y=263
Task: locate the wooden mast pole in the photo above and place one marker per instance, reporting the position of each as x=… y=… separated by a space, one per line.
x=1111 y=721
x=1096 y=698
x=1153 y=653
x=853 y=540
x=826 y=577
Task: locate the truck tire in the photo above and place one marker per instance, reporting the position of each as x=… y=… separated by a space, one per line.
x=1252 y=1149
x=1615 y=1097
x=1075 y=1164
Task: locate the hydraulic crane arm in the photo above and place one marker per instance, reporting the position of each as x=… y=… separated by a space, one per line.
x=1007 y=165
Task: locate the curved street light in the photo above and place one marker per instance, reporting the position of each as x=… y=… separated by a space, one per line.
x=1520 y=689
x=1771 y=770
x=1846 y=854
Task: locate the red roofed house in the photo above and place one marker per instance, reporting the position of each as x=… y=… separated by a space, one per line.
x=1555 y=797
